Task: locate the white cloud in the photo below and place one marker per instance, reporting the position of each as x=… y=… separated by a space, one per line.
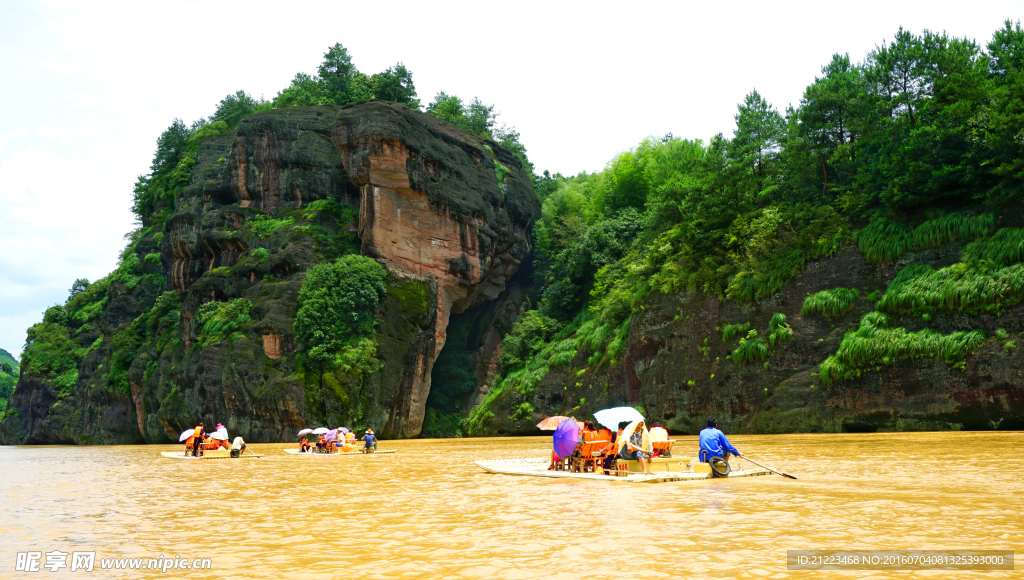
x=90 y=86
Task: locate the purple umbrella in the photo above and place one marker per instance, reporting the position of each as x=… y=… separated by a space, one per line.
x=331 y=435
x=567 y=436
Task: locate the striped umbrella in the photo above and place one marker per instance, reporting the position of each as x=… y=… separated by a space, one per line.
x=551 y=423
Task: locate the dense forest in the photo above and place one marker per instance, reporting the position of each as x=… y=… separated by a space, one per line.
x=919 y=146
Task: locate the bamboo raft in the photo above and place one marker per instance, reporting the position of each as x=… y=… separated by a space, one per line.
x=209 y=454
x=661 y=469
x=336 y=454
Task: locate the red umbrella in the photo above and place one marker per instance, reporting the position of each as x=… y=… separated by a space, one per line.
x=551 y=423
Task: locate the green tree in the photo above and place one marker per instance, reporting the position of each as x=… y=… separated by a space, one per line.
x=336 y=74
x=448 y=108
x=80 y=285
x=1006 y=115
x=338 y=304
x=1006 y=49
x=896 y=74
x=304 y=91
x=170 y=146
x=759 y=133
x=233 y=108
x=828 y=112
x=477 y=118
x=395 y=84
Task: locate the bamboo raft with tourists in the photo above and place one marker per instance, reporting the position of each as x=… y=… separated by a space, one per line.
x=661 y=469
x=212 y=454
x=200 y=444
x=630 y=454
x=336 y=443
x=349 y=453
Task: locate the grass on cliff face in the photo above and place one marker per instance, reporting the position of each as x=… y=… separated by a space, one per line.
x=830 y=303
x=874 y=343
x=754 y=349
x=220 y=320
x=751 y=349
x=263 y=226
x=884 y=240
x=731 y=332
x=779 y=330
x=961 y=287
x=1003 y=248
x=952 y=227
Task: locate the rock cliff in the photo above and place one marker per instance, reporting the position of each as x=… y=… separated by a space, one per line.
x=449 y=214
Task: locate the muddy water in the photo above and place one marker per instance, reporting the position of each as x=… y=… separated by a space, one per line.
x=428 y=512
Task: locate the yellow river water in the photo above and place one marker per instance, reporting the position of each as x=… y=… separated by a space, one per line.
x=428 y=512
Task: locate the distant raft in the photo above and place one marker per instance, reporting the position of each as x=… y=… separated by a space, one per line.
x=209 y=454
x=338 y=453
x=662 y=469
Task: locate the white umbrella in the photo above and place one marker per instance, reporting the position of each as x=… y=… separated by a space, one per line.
x=305 y=432
x=612 y=417
x=220 y=434
x=320 y=430
x=186 y=434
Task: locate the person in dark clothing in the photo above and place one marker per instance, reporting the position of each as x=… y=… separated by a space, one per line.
x=611 y=451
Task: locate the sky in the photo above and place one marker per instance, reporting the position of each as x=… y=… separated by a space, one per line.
x=87 y=87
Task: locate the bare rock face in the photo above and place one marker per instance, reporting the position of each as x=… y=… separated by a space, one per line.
x=432 y=208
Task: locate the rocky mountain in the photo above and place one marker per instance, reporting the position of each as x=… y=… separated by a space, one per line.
x=136 y=357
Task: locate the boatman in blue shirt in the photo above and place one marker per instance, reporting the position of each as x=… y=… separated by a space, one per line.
x=714 y=444
x=371 y=441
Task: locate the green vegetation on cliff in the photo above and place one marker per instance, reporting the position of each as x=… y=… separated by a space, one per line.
x=8 y=378
x=874 y=343
x=337 y=317
x=830 y=303
x=877 y=152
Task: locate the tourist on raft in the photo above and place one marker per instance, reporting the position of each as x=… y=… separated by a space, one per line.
x=320 y=445
x=586 y=434
x=658 y=432
x=303 y=445
x=197 y=440
x=371 y=441
x=637 y=445
x=237 y=445
x=714 y=444
x=610 y=451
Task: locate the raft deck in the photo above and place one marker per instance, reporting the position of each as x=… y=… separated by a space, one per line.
x=661 y=469
x=210 y=454
x=336 y=454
